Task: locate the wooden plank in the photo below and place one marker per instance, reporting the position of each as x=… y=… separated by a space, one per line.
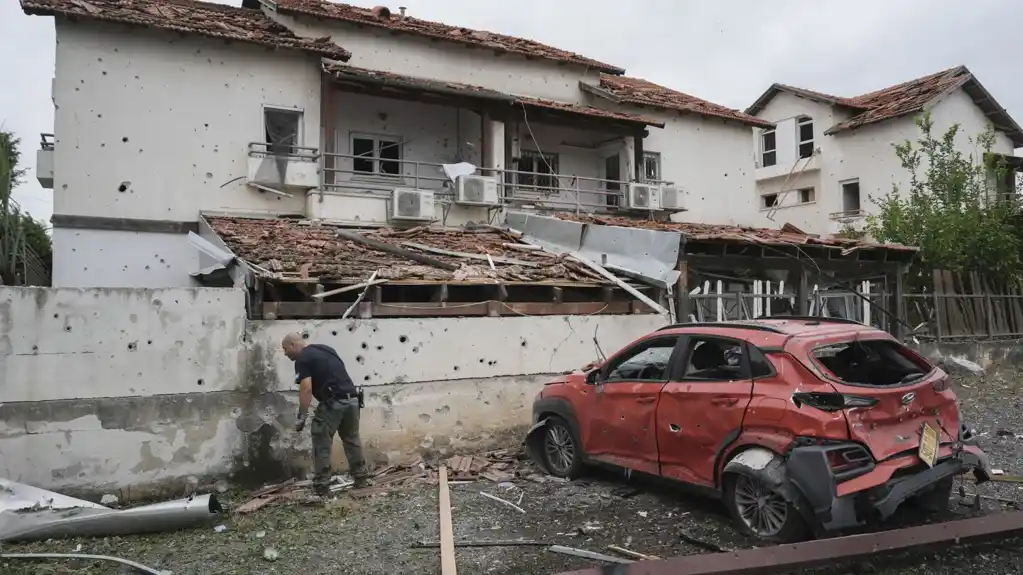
x=348 y=288
x=394 y=250
x=615 y=279
x=483 y=257
x=447 y=534
x=956 y=321
x=435 y=309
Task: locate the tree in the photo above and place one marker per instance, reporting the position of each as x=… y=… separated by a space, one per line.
x=956 y=209
x=18 y=230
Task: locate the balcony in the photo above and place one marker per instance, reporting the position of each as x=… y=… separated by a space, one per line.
x=44 y=161
x=788 y=169
x=365 y=190
x=282 y=169
x=846 y=221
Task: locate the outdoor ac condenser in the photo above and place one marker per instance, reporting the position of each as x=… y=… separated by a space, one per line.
x=412 y=205
x=477 y=191
x=643 y=197
x=673 y=199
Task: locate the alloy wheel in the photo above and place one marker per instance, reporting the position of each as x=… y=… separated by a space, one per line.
x=763 y=510
x=559 y=448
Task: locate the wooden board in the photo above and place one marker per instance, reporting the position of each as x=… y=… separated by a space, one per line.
x=447 y=534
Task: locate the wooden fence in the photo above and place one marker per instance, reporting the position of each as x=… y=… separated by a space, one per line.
x=967 y=305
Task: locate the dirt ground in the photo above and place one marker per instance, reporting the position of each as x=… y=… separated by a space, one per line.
x=376 y=535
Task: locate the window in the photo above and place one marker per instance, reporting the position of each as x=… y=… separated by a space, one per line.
x=851 y=196
x=714 y=359
x=612 y=173
x=768 y=201
x=768 y=148
x=805 y=127
x=807 y=196
x=282 y=130
x=872 y=362
x=544 y=168
x=376 y=154
x=759 y=365
x=646 y=362
x=652 y=166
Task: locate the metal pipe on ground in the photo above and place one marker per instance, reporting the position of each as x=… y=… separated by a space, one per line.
x=794 y=557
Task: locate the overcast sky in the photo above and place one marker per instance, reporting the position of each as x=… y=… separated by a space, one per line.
x=725 y=51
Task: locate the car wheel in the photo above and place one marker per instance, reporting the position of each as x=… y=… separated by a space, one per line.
x=760 y=511
x=561 y=450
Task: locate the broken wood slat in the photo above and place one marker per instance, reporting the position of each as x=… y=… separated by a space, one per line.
x=394 y=250
x=281 y=310
x=354 y=287
x=447 y=536
x=588 y=554
x=483 y=257
x=256 y=503
x=621 y=283
x=396 y=477
x=269 y=489
x=632 y=554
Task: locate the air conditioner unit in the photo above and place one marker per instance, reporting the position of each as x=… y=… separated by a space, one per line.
x=412 y=205
x=673 y=199
x=643 y=197
x=477 y=191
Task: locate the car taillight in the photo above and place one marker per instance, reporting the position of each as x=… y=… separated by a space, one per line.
x=941 y=384
x=832 y=401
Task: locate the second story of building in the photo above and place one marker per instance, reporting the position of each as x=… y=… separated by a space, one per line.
x=828 y=159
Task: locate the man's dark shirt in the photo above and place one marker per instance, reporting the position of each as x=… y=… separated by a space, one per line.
x=324 y=366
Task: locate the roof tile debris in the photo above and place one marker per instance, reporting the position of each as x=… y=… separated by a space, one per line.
x=291 y=248
x=344 y=72
x=478 y=38
x=645 y=93
x=190 y=17
x=736 y=234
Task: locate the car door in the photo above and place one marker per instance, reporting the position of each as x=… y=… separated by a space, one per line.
x=623 y=419
x=702 y=406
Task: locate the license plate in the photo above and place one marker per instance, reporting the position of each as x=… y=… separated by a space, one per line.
x=928 y=445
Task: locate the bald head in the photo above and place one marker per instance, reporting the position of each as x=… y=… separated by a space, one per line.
x=293 y=344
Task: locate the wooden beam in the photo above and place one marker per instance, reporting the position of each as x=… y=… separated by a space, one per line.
x=611 y=277
x=483 y=257
x=281 y=310
x=447 y=533
x=733 y=262
x=395 y=250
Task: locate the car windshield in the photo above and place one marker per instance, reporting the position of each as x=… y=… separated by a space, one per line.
x=871 y=362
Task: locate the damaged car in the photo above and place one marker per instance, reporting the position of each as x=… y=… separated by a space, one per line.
x=802 y=426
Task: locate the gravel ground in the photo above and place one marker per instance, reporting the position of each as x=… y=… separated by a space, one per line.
x=375 y=536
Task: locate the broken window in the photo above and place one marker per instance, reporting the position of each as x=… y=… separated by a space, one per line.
x=715 y=359
x=807 y=196
x=612 y=175
x=768 y=148
x=851 y=196
x=542 y=170
x=647 y=361
x=282 y=130
x=376 y=155
x=652 y=166
x=805 y=127
x=872 y=362
x=768 y=201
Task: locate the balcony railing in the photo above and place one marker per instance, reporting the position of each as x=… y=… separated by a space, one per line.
x=847 y=215
x=537 y=190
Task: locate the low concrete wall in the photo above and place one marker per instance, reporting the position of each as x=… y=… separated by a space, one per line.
x=139 y=391
x=995 y=356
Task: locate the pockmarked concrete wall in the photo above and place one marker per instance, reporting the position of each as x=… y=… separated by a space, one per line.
x=140 y=391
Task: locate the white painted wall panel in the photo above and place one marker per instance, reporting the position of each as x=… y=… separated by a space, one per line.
x=104 y=258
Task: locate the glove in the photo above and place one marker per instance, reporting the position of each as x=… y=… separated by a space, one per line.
x=301 y=422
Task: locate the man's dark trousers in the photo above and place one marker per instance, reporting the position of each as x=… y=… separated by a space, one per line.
x=341 y=417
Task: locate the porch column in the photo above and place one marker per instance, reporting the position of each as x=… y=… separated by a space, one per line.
x=493 y=144
x=638 y=155
x=328 y=117
x=896 y=302
x=628 y=157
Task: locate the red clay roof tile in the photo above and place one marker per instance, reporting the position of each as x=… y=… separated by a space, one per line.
x=436 y=30
x=645 y=93
x=190 y=17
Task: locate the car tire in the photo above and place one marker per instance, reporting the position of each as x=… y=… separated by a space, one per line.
x=561 y=449
x=779 y=523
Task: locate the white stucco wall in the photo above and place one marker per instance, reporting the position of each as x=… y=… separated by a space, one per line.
x=412 y=55
x=866 y=154
x=105 y=258
x=134 y=391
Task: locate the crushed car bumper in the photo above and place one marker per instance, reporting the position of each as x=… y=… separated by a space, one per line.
x=836 y=502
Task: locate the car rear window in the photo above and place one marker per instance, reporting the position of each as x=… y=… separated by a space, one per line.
x=872 y=362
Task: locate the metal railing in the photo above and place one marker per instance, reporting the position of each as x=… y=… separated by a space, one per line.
x=46 y=141
x=284 y=152
x=540 y=190
x=847 y=215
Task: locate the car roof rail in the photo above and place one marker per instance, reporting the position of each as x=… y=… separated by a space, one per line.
x=816 y=318
x=738 y=324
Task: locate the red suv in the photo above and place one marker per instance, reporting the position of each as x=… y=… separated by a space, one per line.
x=802 y=425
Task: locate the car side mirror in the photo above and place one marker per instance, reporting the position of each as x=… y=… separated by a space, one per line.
x=593 y=378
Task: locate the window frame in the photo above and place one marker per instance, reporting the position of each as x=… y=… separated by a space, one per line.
x=637 y=348
x=859 y=194
x=800 y=142
x=299 y=134
x=547 y=182
x=777 y=201
x=813 y=195
x=656 y=158
x=376 y=138
x=682 y=362
x=763 y=148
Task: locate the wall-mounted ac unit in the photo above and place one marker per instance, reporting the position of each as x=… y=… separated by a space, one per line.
x=477 y=191
x=412 y=205
x=643 y=197
x=673 y=199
